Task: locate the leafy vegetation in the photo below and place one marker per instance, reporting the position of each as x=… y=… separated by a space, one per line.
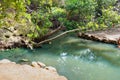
x=35 y=18
x=13 y=15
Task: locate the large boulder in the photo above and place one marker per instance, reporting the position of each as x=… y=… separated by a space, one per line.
x=12 y=71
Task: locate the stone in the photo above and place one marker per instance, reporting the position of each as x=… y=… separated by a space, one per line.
x=9 y=71
x=24 y=60
x=50 y=68
x=42 y=65
x=5 y=61
x=35 y=64
x=108 y=36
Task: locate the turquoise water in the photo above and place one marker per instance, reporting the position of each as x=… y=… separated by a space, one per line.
x=75 y=58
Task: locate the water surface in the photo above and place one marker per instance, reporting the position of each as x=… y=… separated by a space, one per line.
x=75 y=58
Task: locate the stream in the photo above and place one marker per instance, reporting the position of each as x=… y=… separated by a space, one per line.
x=75 y=58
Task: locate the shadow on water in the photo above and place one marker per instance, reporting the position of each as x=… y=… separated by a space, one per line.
x=75 y=58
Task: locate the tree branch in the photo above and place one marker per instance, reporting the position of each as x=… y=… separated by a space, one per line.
x=7 y=29
x=47 y=40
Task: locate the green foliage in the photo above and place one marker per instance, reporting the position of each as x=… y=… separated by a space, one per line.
x=109 y=18
x=58 y=12
x=78 y=11
x=82 y=8
x=41 y=24
x=106 y=3
x=40 y=18
x=43 y=5
x=86 y=14
x=13 y=14
x=92 y=25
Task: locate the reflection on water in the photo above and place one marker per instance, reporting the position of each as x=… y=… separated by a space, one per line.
x=75 y=58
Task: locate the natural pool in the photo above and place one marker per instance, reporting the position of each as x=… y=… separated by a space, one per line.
x=75 y=58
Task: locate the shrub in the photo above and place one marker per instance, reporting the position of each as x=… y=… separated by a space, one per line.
x=109 y=18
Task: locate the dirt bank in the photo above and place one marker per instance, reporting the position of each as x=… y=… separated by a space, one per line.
x=12 y=39
x=12 y=71
x=108 y=36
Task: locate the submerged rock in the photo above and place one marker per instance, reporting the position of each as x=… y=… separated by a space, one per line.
x=10 y=71
x=24 y=60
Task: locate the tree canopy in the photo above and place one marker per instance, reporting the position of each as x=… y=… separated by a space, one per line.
x=36 y=18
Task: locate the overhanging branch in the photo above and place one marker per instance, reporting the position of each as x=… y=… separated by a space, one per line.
x=47 y=40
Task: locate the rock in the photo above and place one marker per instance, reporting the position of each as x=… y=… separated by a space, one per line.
x=9 y=71
x=42 y=65
x=108 y=36
x=118 y=46
x=38 y=64
x=50 y=68
x=24 y=60
x=35 y=64
x=5 y=61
